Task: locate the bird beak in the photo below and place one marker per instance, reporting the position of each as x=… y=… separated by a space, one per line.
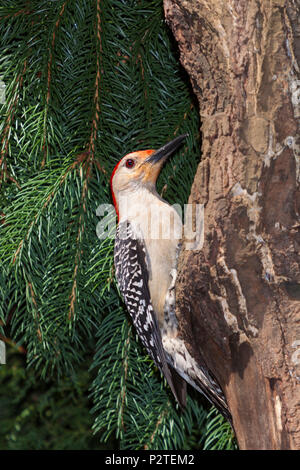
x=164 y=152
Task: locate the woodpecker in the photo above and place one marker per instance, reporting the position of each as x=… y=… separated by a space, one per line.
x=147 y=244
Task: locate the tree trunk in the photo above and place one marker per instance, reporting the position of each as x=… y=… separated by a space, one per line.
x=239 y=296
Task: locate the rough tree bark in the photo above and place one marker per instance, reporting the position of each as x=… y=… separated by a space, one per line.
x=239 y=297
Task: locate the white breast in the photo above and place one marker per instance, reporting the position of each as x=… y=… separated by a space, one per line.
x=160 y=226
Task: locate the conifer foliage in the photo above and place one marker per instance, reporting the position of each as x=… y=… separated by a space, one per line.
x=85 y=83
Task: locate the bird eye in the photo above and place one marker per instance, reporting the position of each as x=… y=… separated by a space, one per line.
x=130 y=163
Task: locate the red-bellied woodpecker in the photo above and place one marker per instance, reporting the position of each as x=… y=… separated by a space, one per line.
x=146 y=251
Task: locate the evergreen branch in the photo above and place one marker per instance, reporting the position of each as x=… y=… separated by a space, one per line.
x=48 y=197
x=124 y=379
x=15 y=14
x=91 y=150
x=82 y=161
x=160 y=419
x=7 y=127
x=81 y=227
x=87 y=165
x=95 y=121
x=36 y=315
x=218 y=434
x=49 y=68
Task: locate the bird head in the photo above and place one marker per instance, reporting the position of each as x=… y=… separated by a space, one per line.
x=140 y=169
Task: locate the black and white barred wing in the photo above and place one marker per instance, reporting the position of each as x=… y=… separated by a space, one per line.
x=132 y=276
x=198 y=376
